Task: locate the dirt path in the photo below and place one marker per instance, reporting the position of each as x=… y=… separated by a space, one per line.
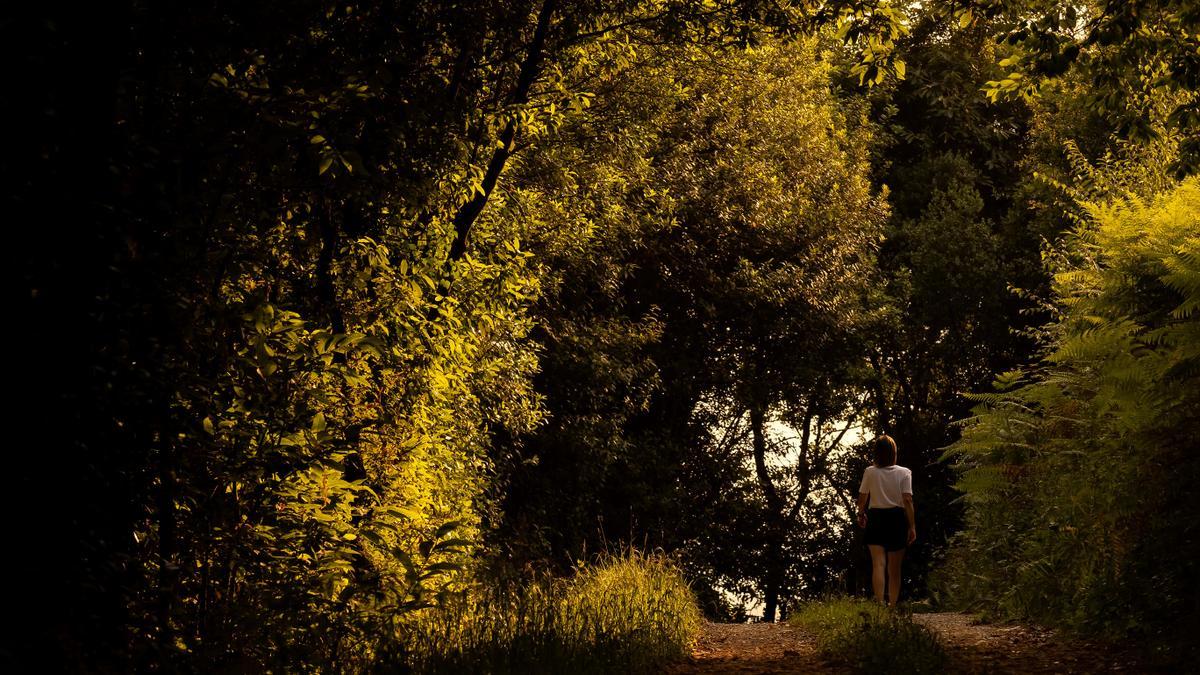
x=990 y=648
x=757 y=649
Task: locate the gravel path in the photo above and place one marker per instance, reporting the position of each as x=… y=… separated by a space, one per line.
x=757 y=649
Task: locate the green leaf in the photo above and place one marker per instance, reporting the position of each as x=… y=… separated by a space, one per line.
x=403 y=511
x=452 y=544
x=447 y=528
x=440 y=568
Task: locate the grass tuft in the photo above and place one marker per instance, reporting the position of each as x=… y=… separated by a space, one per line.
x=872 y=638
x=631 y=613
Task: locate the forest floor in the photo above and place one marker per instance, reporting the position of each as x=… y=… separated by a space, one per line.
x=759 y=648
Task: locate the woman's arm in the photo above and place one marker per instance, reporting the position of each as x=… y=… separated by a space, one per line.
x=912 y=517
x=864 y=496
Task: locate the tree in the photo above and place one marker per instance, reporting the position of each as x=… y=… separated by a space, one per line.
x=959 y=236
x=287 y=313
x=1128 y=52
x=721 y=273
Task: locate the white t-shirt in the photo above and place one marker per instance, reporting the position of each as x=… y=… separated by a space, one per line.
x=886 y=485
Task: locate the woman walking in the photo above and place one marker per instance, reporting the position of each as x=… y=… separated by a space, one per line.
x=890 y=521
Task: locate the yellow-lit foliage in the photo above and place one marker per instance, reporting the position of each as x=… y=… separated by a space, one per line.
x=1094 y=531
x=631 y=612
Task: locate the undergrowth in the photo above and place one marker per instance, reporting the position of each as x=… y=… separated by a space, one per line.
x=631 y=613
x=872 y=638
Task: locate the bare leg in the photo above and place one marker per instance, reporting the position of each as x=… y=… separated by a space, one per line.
x=878 y=562
x=894 y=558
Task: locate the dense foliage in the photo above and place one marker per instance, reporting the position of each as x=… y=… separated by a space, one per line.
x=285 y=318
x=959 y=234
x=338 y=319
x=708 y=306
x=1080 y=470
x=1132 y=54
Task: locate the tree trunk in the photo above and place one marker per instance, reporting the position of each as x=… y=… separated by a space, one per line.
x=775 y=524
x=466 y=216
x=771 y=602
x=774 y=576
x=758 y=415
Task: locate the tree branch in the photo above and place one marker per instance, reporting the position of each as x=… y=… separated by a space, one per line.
x=466 y=216
x=757 y=421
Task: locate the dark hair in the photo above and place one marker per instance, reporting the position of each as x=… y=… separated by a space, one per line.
x=885 y=450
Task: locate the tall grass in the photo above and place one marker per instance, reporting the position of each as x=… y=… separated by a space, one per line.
x=871 y=637
x=629 y=613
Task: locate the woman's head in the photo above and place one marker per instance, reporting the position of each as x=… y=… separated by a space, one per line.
x=885 y=450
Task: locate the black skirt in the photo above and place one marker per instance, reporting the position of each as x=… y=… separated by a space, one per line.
x=887 y=528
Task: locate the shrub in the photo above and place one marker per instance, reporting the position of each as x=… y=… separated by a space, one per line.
x=871 y=637
x=631 y=613
x=1080 y=470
